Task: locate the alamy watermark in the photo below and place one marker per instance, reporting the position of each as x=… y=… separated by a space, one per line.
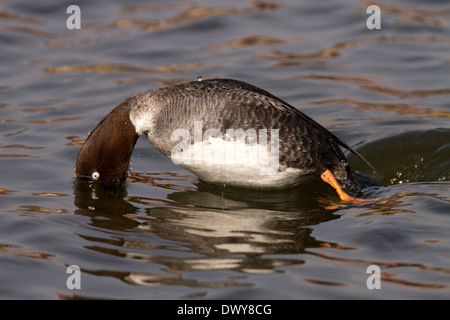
x=74 y=280
x=232 y=147
x=74 y=20
x=374 y=21
x=374 y=280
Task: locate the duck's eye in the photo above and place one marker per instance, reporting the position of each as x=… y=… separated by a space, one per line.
x=95 y=176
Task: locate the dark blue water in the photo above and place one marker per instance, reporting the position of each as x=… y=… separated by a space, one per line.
x=164 y=235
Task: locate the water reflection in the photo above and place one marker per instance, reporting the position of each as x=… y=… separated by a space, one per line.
x=209 y=228
x=105 y=205
x=216 y=228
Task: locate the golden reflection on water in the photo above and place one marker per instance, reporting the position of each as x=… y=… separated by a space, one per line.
x=390 y=276
x=182 y=5
x=15 y=250
x=200 y=229
x=164 y=82
x=32 y=31
x=246 y=41
x=34 y=208
x=21 y=146
x=19 y=18
x=165 y=180
x=322 y=57
x=74 y=141
x=17 y=156
x=415 y=15
x=6 y=192
x=121 y=68
x=42 y=121
x=414 y=111
x=49 y=194
x=186 y=13
x=45 y=109
x=178 y=68
x=403 y=94
x=285 y=58
x=55 y=120
x=415 y=284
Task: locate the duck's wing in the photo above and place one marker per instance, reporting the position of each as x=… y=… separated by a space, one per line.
x=281 y=104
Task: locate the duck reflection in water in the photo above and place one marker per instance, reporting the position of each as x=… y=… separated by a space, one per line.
x=208 y=228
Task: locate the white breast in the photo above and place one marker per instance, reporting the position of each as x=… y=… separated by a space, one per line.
x=236 y=163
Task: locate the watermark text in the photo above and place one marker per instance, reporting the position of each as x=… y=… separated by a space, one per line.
x=232 y=147
x=74 y=20
x=74 y=280
x=374 y=280
x=374 y=21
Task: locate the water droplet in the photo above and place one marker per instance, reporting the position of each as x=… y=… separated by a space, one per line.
x=199 y=78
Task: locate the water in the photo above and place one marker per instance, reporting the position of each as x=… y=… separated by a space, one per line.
x=163 y=235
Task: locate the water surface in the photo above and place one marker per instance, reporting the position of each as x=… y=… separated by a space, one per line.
x=163 y=234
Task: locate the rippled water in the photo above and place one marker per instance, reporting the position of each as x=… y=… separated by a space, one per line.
x=163 y=235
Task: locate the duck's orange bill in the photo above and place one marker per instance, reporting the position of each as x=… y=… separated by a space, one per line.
x=329 y=178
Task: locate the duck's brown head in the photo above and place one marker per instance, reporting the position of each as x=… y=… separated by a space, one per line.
x=105 y=155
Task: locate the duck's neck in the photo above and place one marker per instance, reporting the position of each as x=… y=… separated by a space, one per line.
x=105 y=155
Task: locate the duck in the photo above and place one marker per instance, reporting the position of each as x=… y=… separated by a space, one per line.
x=225 y=131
